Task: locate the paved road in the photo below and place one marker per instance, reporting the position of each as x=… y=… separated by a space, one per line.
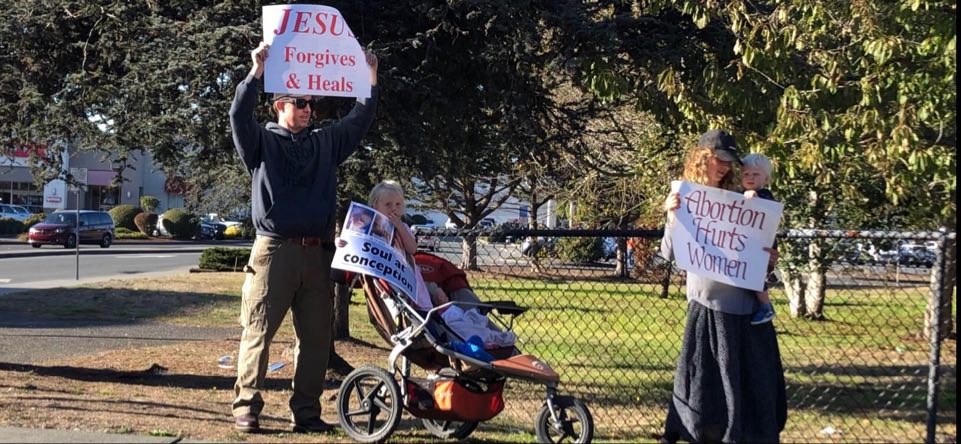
x=15 y=272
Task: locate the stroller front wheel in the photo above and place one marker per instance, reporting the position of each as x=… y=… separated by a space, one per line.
x=449 y=429
x=574 y=422
x=369 y=404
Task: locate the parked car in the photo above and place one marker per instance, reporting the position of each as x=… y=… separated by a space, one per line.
x=487 y=223
x=426 y=236
x=213 y=226
x=15 y=212
x=60 y=228
x=915 y=255
x=451 y=225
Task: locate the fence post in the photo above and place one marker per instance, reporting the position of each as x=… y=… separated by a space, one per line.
x=934 y=366
x=666 y=285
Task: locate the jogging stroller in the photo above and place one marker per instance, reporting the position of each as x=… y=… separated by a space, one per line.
x=461 y=390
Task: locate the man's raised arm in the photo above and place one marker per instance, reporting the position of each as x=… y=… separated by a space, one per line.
x=243 y=123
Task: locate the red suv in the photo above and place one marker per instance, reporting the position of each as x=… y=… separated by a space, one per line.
x=60 y=228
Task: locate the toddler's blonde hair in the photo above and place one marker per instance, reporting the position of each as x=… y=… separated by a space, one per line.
x=381 y=189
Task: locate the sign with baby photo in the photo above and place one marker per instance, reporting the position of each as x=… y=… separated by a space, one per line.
x=366 y=246
x=721 y=235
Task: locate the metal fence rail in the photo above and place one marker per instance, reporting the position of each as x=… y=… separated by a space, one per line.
x=608 y=314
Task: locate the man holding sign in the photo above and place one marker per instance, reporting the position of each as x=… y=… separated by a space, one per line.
x=293 y=188
x=729 y=382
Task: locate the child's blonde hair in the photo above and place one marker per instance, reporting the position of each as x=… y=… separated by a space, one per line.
x=381 y=189
x=759 y=161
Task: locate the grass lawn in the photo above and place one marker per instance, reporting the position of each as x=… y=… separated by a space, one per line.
x=862 y=373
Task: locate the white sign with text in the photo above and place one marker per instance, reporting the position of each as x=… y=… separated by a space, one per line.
x=721 y=235
x=312 y=52
x=366 y=246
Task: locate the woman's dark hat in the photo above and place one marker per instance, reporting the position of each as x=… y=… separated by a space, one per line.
x=722 y=144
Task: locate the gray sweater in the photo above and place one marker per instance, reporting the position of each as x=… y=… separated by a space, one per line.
x=294 y=175
x=712 y=294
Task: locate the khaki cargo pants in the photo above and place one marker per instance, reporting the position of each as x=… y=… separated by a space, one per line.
x=281 y=276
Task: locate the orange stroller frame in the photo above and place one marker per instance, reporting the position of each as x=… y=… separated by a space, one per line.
x=461 y=390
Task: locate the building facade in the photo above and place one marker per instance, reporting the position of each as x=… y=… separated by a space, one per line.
x=17 y=185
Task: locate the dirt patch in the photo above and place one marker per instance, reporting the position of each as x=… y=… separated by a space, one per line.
x=175 y=390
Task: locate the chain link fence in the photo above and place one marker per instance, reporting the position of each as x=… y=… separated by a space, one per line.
x=608 y=313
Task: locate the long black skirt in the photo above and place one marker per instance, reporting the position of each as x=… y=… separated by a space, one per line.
x=729 y=383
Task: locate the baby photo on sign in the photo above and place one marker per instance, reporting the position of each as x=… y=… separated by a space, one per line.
x=359 y=219
x=382 y=228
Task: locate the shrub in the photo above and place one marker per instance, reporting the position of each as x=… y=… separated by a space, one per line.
x=181 y=224
x=224 y=259
x=232 y=232
x=146 y=222
x=34 y=219
x=11 y=226
x=247 y=229
x=580 y=250
x=123 y=216
x=149 y=203
x=123 y=233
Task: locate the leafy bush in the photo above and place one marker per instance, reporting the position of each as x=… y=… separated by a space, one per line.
x=224 y=259
x=580 y=250
x=123 y=233
x=497 y=235
x=146 y=222
x=247 y=229
x=181 y=224
x=123 y=216
x=11 y=226
x=232 y=232
x=149 y=203
x=34 y=219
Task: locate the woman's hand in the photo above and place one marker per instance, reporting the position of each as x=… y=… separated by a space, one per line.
x=772 y=259
x=672 y=202
x=750 y=194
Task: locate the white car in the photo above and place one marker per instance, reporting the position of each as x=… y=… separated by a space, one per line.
x=426 y=237
x=15 y=212
x=450 y=225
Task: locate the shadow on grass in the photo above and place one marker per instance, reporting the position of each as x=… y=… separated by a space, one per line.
x=80 y=307
x=155 y=376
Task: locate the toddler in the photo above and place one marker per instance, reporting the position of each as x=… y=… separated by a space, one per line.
x=755 y=174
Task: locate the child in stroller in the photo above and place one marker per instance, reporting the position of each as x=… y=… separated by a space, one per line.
x=462 y=390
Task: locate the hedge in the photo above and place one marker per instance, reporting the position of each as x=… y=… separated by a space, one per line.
x=146 y=222
x=123 y=216
x=580 y=250
x=34 y=219
x=224 y=259
x=123 y=233
x=11 y=226
x=181 y=224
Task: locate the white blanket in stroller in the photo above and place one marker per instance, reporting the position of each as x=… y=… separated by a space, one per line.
x=473 y=323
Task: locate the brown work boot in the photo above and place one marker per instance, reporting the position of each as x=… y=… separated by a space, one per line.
x=312 y=425
x=247 y=423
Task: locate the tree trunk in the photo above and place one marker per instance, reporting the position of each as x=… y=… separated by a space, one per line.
x=794 y=287
x=816 y=283
x=469 y=258
x=341 y=325
x=947 y=293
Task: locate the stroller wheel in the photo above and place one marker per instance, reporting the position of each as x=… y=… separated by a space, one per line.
x=574 y=424
x=369 y=404
x=449 y=429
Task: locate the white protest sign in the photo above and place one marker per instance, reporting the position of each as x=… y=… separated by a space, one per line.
x=366 y=247
x=312 y=52
x=721 y=235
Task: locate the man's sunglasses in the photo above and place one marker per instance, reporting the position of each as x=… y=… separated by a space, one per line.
x=299 y=102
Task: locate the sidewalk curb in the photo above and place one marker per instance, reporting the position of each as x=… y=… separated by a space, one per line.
x=90 y=252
